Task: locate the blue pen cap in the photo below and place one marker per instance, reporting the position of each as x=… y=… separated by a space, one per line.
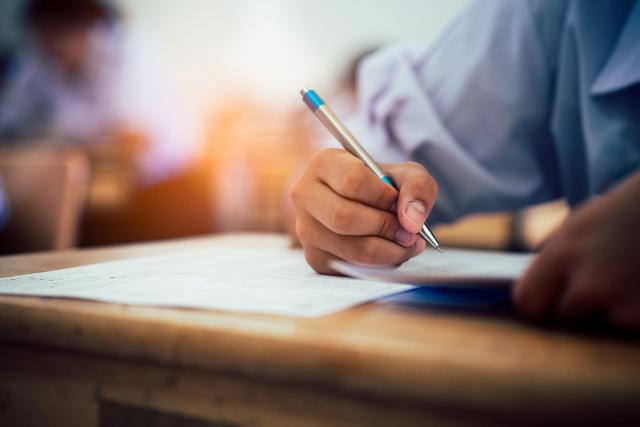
x=312 y=100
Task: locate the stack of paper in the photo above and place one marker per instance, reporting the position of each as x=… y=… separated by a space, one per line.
x=260 y=274
x=456 y=278
x=247 y=273
x=452 y=268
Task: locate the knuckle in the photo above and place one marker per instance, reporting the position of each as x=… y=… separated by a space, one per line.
x=316 y=161
x=408 y=254
x=386 y=224
x=323 y=156
x=296 y=192
x=405 y=256
x=319 y=264
x=353 y=180
x=341 y=218
x=388 y=195
x=421 y=176
x=319 y=156
x=303 y=231
x=415 y=165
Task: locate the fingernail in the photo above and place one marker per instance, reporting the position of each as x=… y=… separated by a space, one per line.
x=416 y=212
x=404 y=237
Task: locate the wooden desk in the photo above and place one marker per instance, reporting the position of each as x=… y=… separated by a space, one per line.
x=68 y=362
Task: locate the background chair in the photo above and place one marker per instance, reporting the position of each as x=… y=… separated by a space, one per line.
x=47 y=190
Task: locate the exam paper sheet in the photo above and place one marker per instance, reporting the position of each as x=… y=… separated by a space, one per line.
x=245 y=273
x=452 y=268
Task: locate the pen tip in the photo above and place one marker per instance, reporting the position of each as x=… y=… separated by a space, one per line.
x=438 y=249
x=304 y=90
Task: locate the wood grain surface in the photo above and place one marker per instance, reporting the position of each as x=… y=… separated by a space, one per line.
x=461 y=362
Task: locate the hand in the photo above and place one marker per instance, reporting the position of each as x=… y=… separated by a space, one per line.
x=343 y=211
x=591 y=267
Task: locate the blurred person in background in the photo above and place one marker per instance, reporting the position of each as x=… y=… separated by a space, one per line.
x=83 y=80
x=516 y=104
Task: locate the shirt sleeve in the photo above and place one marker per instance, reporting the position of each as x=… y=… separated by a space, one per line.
x=473 y=107
x=23 y=106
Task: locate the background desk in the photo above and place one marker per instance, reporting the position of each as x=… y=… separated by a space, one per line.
x=67 y=362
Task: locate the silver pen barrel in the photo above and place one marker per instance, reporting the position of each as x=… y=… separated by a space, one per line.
x=346 y=138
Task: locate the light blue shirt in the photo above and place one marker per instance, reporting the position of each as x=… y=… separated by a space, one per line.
x=516 y=103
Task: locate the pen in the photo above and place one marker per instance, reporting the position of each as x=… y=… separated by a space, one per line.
x=349 y=143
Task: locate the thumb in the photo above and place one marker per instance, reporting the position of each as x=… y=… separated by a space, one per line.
x=417 y=194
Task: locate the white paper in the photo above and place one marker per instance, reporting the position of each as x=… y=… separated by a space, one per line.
x=453 y=268
x=247 y=273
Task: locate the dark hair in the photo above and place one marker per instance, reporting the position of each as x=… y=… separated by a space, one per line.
x=68 y=13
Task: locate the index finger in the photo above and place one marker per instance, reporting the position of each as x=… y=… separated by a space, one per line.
x=349 y=177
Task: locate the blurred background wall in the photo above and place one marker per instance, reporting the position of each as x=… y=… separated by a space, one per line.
x=271 y=47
